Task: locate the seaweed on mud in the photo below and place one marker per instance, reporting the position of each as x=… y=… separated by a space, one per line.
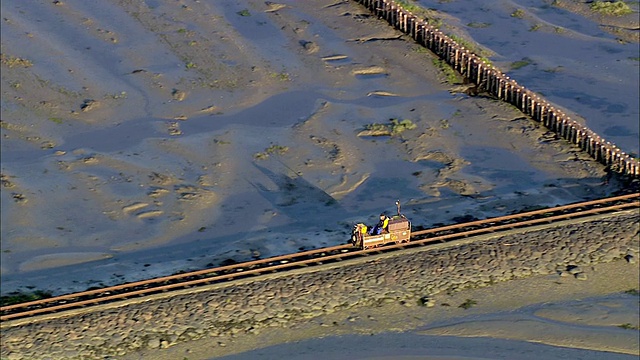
x=451 y=75
x=468 y=304
x=617 y=8
x=394 y=127
x=520 y=63
x=23 y=297
x=13 y=61
x=273 y=149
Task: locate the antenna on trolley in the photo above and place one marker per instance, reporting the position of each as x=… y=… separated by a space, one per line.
x=398 y=206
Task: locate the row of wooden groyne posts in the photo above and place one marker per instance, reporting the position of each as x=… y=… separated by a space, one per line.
x=492 y=80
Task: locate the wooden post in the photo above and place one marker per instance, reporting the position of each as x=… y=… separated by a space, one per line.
x=543 y=111
x=529 y=110
x=412 y=26
x=446 y=52
x=454 y=57
x=598 y=151
x=390 y=14
x=488 y=78
x=556 y=123
x=514 y=96
x=491 y=80
x=563 y=128
x=573 y=134
x=451 y=52
x=535 y=111
x=550 y=115
x=404 y=22
x=464 y=63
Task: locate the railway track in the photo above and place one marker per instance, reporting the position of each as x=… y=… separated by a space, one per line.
x=312 y=257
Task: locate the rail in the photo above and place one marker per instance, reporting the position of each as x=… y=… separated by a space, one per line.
x=312 y=257
x=496 y=83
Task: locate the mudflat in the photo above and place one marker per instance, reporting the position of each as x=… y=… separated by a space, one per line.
x=144 y=138
x=141 y=138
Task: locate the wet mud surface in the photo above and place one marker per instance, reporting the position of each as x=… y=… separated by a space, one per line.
x=144 y=138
